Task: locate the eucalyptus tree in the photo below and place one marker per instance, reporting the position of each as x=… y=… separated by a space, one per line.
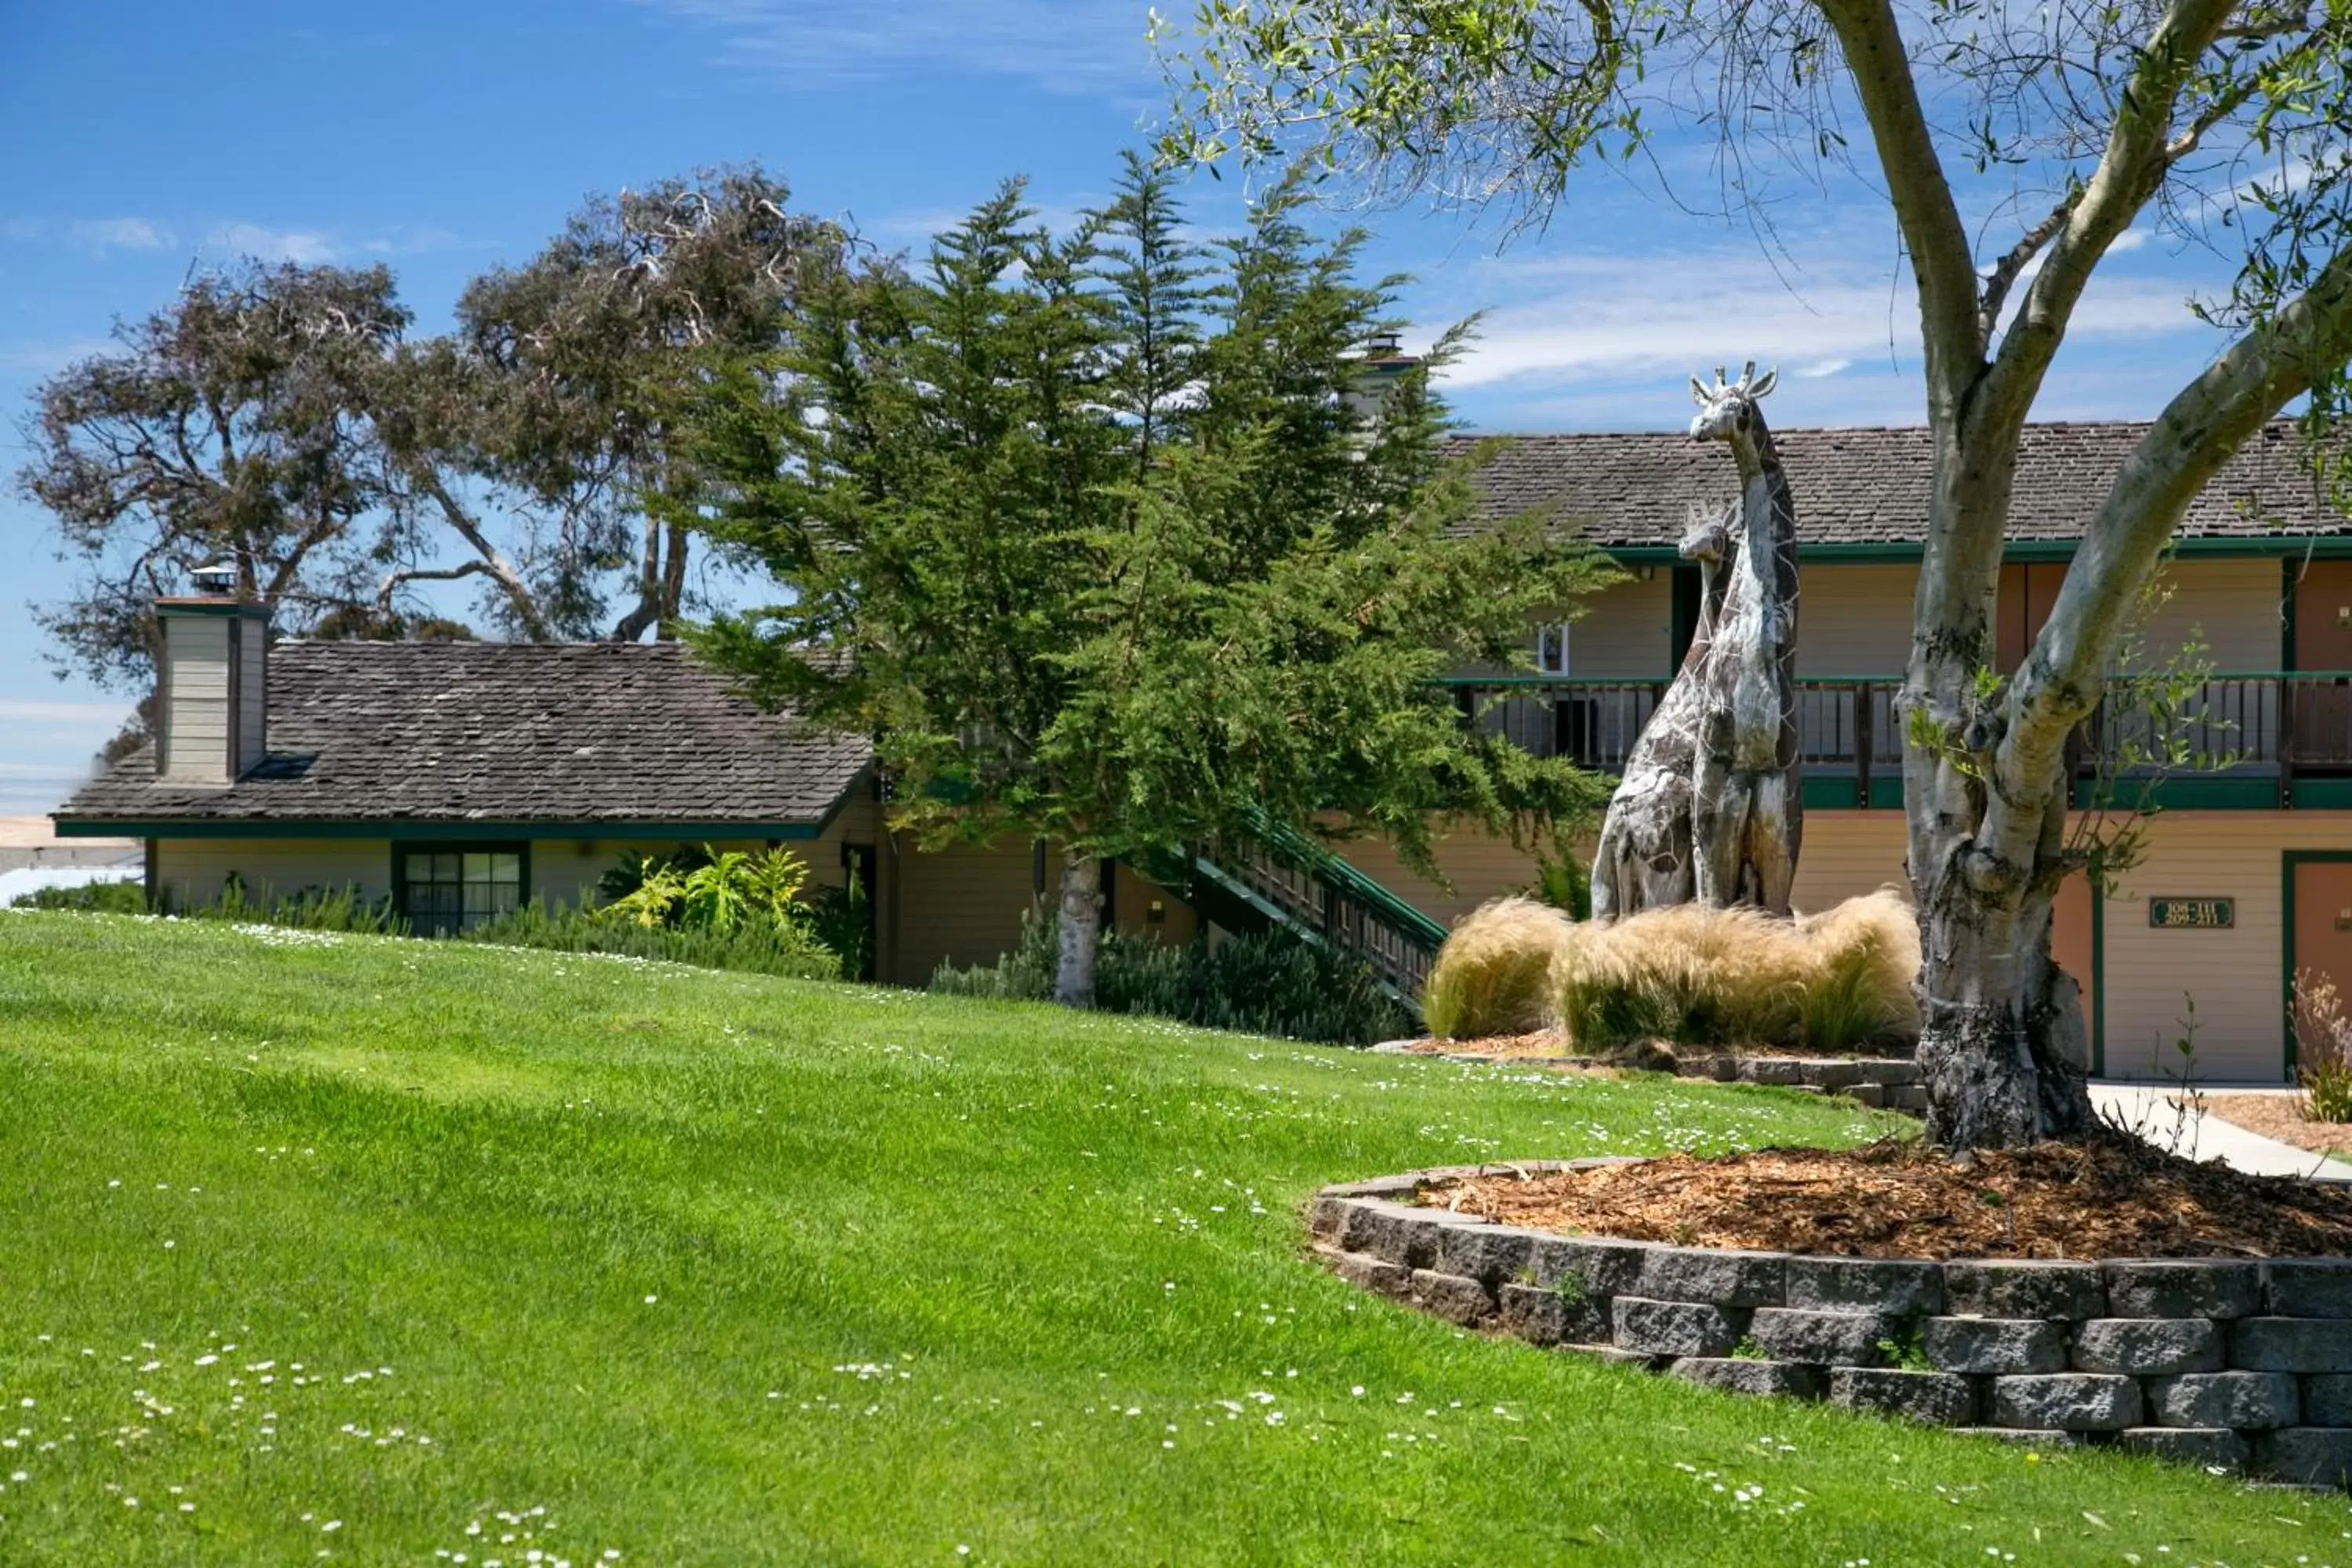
x=1091 y=533
x=2015 y=147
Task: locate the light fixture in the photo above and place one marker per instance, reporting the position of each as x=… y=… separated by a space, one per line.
x=219 y=578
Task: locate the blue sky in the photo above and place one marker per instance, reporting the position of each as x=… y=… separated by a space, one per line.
x=139 y=140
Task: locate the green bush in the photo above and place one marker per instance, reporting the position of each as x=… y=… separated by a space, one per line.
x=789 y=948
x=1267 y=983
x=90 y=898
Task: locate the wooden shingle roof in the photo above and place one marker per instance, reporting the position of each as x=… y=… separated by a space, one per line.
x=1869 y=486
x=572 y=733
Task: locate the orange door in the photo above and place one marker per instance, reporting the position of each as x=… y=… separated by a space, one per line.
x=2027 y=593
x=2071 y=942
x=2323 y=919
x=2322 y=641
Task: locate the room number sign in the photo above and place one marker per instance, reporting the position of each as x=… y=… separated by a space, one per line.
x=2193 y=914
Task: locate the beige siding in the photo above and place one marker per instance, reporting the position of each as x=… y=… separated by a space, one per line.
x=2235 y=975
x=961 y=904
x=1479 y=866
x=2234 y=605
x=252 y=717
x=1626 y=632
x=193 y=871
x=195 y=656
x=1855 y=620
x=1846 y=854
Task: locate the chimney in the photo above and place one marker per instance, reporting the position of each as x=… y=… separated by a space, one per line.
x=1382 y=361
x=211 y=673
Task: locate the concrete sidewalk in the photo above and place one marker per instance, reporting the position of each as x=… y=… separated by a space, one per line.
x=2210 y=1138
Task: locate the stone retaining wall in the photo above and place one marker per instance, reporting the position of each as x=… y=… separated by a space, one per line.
x=1891 y=1083
x=2241 y=1365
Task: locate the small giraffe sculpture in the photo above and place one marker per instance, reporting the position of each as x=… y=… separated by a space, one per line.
x=1746 y=794
x=1644 y=857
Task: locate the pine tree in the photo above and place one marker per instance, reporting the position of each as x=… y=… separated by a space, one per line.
x=1094 y=536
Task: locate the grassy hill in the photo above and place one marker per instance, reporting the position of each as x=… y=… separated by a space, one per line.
x=384 y=1251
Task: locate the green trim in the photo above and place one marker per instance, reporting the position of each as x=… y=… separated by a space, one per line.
x=1314 y=858
x=2195 y=793
x=1830 y=792
x=1886 y=789
x=2288 y=860
x=2322 y=794
x=2020 y=550
x=413 y=830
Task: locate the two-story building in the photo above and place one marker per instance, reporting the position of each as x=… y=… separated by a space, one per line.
x=458 y=779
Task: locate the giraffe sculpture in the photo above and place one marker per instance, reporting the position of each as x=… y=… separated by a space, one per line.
x=1746 y=805
x=1645 y=858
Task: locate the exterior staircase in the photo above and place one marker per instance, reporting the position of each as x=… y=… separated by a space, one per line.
x=1278 y=877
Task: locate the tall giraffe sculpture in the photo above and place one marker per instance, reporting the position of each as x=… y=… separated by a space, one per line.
x=1645 y=859
x=1747 y=785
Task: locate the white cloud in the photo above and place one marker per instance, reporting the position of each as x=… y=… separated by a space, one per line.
x=96 y=235
x=1075 y=45
x=26 y=711
x=305 y=247
x=1626 y=314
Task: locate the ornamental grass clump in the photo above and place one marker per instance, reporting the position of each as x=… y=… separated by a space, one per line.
x=1687 y=974
x=1494 y=975
x=2323 y=1048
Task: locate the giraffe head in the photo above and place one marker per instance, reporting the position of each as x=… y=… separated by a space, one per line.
x=1727 y=410
x=1706 y=532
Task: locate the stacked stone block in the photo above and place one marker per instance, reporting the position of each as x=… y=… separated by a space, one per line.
x=2226 y=1363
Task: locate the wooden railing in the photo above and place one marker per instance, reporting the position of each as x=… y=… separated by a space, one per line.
x=1290 y=879
x=2293 y=722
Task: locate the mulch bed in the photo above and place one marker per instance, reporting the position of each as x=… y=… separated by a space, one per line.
x=2110 y=1196
x=2280 y=1116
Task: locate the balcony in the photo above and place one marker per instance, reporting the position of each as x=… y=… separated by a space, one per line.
x=2288 y=736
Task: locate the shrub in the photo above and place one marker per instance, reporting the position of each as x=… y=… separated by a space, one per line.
x=1494 y=975
x=1697 y=975
x=2323 y=1048
x=1264 y=983
x=89 y=898
x=788 y=948
x=345 y=909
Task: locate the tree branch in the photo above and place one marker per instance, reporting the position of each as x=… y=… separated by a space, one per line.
x=2200 y=429
x=1940 y=256
x=2130 y=171
x=2005 y=271
x=509 y=581
x=393 y=580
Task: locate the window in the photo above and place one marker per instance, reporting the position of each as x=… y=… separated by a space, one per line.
x=444 y=891
x=1551 y=649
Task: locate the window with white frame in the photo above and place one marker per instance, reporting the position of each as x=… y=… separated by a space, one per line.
x=1551 y=647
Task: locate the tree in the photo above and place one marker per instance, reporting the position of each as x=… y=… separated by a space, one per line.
x=280 y=417
x=1090 y=534
x=235 y=425
x=2224 y=119
x=552 y=396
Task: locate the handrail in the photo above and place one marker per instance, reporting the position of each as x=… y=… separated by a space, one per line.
x=1537 y=680
x=1314 y=858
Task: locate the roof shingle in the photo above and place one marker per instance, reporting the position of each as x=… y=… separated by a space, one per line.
x=1870 y=486
x=574 y=733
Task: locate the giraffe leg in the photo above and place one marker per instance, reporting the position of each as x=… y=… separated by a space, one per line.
x=1771 y=837
x=1719 y=824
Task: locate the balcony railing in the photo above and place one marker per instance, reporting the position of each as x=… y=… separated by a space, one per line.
x=2264 y=722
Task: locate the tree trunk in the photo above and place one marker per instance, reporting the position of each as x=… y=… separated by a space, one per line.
x=2003 y=1047
x=1081 y=929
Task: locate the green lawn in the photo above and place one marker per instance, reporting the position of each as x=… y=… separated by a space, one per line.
x=388 y=1251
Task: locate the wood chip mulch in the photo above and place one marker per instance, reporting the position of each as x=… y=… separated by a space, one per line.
x=2280 y=1116
x=2109 y=1196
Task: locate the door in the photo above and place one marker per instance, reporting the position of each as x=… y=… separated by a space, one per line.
x=2323 y=919
x=2027 y=593
x=2322 y=641
x=2074 y=944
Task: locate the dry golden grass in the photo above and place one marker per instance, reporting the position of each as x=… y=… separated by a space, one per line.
x=1688 y=973
x=1494 y=975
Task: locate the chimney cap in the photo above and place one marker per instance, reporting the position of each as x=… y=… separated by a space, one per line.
x=219 y=579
